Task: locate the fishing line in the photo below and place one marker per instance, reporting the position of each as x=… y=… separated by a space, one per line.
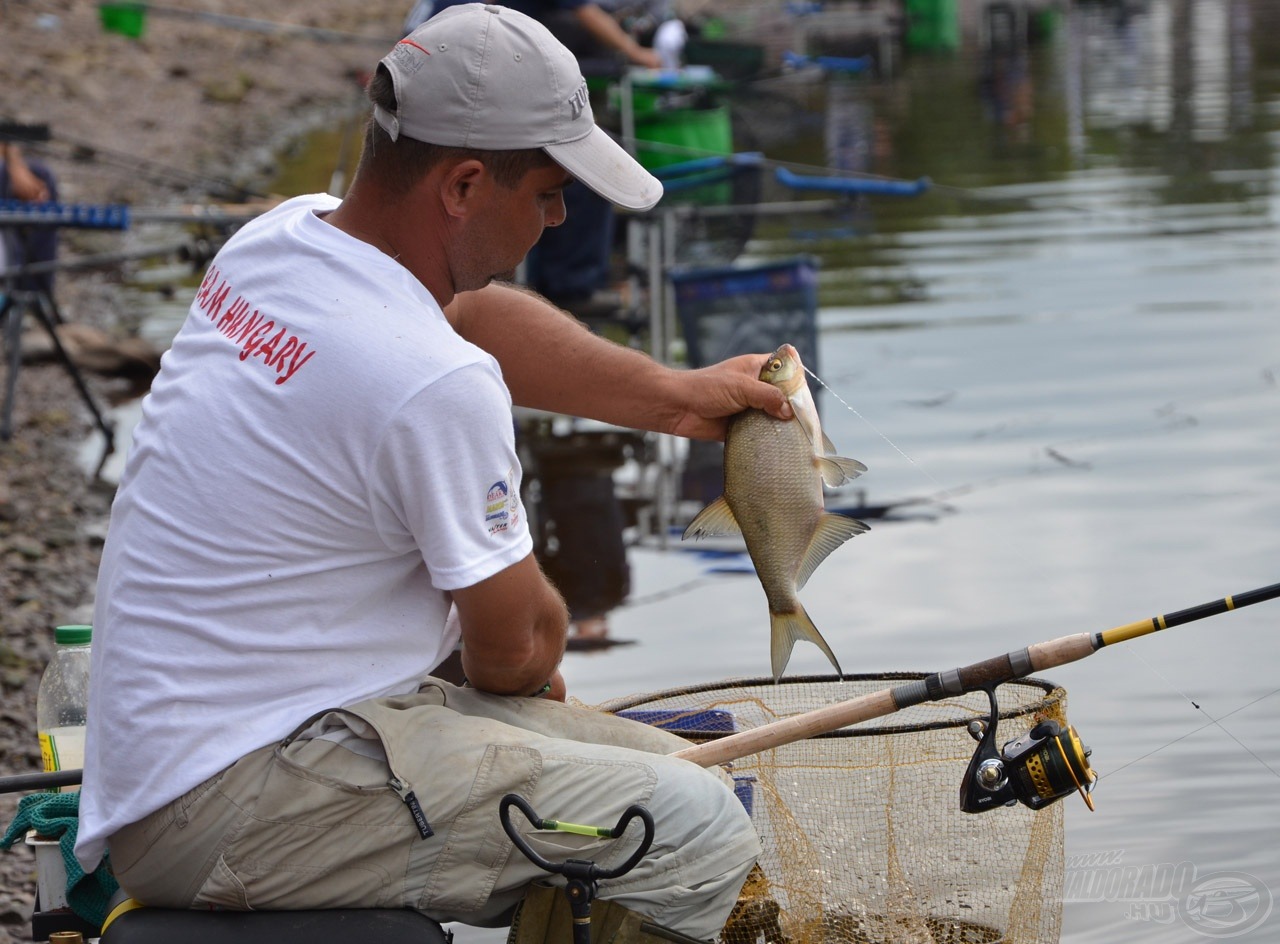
x=745 y=307
x=1197 y=706
x=1171 y=419
x=80 y=151
x=660 y=595
x=1183 y=737
x=923 y=471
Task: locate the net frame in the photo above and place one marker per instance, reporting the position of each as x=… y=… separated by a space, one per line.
x=862 y=834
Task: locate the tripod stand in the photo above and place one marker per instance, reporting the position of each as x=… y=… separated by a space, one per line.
x=39 y=303
x=27 y=287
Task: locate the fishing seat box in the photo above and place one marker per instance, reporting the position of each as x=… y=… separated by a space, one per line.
x=339 y=926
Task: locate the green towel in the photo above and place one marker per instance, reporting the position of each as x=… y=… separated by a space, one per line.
x=57 y=815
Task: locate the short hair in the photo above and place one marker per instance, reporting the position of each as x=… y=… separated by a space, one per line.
x=403 y=162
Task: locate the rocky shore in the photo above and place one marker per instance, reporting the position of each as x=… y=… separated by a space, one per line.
x=188 y=112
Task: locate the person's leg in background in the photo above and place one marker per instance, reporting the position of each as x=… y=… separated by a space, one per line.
x=586 y=557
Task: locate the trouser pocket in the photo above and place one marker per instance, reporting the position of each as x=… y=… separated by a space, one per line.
x=478 y=848
x=323 y=828
x=450 y=772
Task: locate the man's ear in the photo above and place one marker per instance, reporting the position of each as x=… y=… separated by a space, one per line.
x=460 y=185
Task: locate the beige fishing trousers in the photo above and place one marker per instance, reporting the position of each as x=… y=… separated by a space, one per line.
x=313 y=822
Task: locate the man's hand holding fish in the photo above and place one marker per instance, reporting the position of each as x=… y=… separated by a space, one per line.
x=719 y=392
x=774 y=470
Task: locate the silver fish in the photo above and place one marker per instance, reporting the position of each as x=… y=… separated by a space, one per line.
x=774 y=471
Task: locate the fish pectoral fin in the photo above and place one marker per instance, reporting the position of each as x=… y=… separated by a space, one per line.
x=716 y=518
x=832 y=531
x=806 y=414
x=785 y=629
x=836 y=470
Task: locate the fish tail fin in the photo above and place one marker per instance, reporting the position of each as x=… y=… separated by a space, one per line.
x=785 y=629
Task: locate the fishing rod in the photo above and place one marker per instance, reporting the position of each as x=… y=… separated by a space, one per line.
x=76 y=151
x=1038 y=768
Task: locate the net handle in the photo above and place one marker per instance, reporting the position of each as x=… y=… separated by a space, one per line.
x=789 y=730
x=936 y=687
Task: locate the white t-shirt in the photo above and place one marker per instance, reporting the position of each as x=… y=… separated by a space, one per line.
x=319 y=461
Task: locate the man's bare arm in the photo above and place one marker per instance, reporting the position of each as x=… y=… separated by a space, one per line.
x=551 y=361
x=23 y=183
x=601 y=24
x=513 y=630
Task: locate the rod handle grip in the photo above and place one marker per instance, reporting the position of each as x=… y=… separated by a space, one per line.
x=1060 y=651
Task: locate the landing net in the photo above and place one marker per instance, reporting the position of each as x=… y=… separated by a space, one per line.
x=864 y=840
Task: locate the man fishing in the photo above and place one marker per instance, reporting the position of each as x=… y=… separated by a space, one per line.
x=323 y=498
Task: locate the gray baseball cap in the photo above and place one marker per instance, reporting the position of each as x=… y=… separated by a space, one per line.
x=492 y=78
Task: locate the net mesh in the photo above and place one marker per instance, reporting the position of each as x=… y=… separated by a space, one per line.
x=864 y=840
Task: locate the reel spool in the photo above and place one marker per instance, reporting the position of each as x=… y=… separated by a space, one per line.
x=1035 y=769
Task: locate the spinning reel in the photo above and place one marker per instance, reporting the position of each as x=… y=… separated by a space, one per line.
x=1036 y=769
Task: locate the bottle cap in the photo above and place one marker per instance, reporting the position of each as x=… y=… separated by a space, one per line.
x=72 y=635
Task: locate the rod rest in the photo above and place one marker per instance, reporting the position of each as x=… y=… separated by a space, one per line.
x=69 y=215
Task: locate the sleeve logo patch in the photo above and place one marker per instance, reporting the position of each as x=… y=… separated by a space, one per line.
x=502 y=505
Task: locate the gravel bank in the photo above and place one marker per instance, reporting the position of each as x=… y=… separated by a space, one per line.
x=152 y=122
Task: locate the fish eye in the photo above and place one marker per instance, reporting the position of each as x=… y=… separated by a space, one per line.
x=775 y=364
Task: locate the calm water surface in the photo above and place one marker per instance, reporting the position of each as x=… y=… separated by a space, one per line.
x=1068 y=354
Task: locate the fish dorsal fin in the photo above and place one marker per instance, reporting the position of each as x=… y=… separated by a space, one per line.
x=836 y=470
x=832 y=531
x=716 y=518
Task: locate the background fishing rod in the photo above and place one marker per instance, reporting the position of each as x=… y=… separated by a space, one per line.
x=196 y=252
x=844 y=186
x=39 y=140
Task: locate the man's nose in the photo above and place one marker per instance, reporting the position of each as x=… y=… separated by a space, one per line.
x=556 y=213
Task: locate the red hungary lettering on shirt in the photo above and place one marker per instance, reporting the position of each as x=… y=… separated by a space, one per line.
x=258 y=335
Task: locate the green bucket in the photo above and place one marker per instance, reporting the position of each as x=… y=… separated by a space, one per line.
x=127 y=19
x=933 y=24
x=671 y=137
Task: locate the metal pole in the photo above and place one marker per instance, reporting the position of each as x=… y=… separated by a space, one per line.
x=22 y=783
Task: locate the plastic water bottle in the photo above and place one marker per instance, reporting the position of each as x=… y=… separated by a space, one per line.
x=62 y=700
